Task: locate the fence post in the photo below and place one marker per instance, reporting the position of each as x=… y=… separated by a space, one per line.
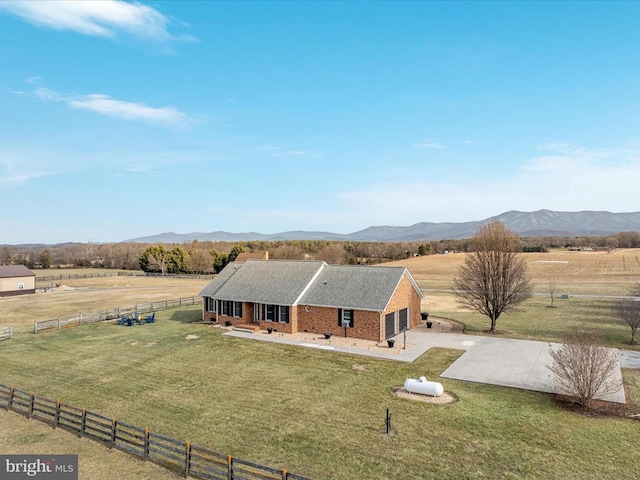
x=58 y=323
x=229 y=467
x=35 y=328
x=10 y=399
x=80 y=319
x=180 y=301
x=187 y=459
x=56 y=418
x=83 y=422
x=146 y=442
x=284 y=474
x=10 y=333
x=114 y=424
x=32 y=398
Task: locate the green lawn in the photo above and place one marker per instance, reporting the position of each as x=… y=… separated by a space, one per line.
x=312 y=411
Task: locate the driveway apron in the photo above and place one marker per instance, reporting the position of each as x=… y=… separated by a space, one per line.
x=502 y=361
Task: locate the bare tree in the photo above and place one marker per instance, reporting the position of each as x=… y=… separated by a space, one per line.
x=628 y=310
x=553 y=289
x=333 y=253
x=493 y=279
x=583 y=367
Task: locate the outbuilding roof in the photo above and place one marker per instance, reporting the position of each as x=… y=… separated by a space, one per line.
x=10 y=271
x=315 y=283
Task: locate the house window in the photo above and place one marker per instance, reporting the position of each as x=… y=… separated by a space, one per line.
x=21 y=286
x=275 y=313
x=211 y=304
x=269 y=313
x=226 y=308
x=231 y=309
x=345 y=318
x=284 y=314
x=256 y=312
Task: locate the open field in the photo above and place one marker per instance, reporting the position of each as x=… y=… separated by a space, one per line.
x=90 y=295
x=311 y=411
x=535 y=320
x=599 y=273
x=575 y=274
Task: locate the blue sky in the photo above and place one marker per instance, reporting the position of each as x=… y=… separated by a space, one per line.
x=125 y=119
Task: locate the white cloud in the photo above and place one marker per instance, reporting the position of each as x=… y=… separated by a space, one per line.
x=97 y=18
x=16 y=171
x=431 y=144
x=276 y=151
x=572 y=179
x=105 y=105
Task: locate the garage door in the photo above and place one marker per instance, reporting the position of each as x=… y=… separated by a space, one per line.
x=390 y=325
x=404 y=319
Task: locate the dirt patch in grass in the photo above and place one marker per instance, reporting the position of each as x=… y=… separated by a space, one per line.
x=598 y=409
x=445 y=398
x=192 y=337
x=142 y=344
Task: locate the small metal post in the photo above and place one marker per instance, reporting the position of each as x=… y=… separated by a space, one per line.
x=388 y=421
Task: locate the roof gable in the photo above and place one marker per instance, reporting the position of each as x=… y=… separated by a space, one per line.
x=355 y=287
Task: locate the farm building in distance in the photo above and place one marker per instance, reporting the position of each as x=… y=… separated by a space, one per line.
x=368 y=302
x=16 y=280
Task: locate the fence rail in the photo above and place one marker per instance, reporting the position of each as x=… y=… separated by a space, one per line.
x=6 y=333
x=104 y=315
x=74 y=276
x=176 y=455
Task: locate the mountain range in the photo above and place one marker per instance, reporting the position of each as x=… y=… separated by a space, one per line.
x=526 y=224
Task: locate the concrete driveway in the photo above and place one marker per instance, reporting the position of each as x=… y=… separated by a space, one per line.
x=491 y=360
x=500 y=361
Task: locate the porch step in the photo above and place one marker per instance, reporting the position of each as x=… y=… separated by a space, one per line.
x=247 y=328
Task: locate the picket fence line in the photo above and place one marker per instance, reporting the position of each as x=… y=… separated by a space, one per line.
x=74 y=276
x=181 y=457
x=104 y=315
x=6 y=333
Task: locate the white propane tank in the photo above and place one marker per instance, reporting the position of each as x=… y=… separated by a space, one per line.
x=423 y=386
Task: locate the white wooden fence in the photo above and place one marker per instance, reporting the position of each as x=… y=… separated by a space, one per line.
x=6 y=333
x=104 y=315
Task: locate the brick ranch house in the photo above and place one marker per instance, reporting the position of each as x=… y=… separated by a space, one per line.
x=16 y=280
x=368 y=302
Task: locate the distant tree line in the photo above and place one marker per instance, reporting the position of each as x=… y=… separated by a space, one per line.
x=206 y=256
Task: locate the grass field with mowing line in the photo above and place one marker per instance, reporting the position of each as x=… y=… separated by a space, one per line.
x=76 y=296
x=310 y=410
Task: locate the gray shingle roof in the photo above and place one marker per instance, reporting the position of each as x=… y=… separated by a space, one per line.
x=10 y=271
x=263 y=281
x=357 y=287
x=283 y=282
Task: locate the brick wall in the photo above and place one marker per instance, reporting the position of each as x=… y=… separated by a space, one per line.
x=325 y=320
x=406 y=296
